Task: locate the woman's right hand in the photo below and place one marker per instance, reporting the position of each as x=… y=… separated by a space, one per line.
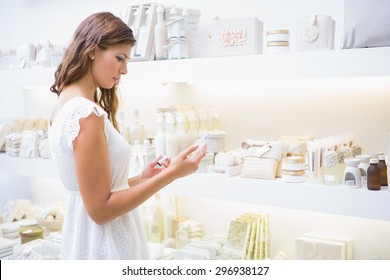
x=187 y=162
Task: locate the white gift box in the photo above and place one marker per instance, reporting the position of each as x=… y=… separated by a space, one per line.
x=237 y=36
x=315 y=33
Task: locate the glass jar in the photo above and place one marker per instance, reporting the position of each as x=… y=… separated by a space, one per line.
x=373 y=175
x=382 y=170
x=30 y=233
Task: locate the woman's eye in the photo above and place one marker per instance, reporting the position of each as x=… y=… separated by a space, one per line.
x=119 y=59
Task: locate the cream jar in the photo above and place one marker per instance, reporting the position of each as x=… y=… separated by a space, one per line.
x=281 y=35
x=278 y=47
x=30 y=233
x=293 y=169
x=215 y=141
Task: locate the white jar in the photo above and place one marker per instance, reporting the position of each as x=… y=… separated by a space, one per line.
x=278 y=47
x=280 y=35
x=215 y=141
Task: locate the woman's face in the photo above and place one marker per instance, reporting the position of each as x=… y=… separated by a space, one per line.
x=109 y=65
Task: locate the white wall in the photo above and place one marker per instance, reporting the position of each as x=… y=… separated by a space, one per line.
x=266 y=111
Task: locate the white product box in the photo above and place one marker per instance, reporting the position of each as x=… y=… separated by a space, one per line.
x=307 y=248
x=315 y=33
x=237 y=36
x=347 y=241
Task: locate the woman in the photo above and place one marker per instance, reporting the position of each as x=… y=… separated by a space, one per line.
x=101 y=220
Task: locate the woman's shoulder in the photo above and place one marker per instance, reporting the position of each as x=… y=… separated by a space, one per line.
x=76 y=107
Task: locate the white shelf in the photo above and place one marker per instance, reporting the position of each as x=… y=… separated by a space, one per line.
x=38 y=167
x=27 y=77
x=369 y=62
x=296 y=65
x=337 y=200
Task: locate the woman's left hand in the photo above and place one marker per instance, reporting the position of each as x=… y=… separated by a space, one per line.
x=153 y=168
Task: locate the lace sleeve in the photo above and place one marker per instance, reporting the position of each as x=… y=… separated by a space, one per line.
x=73 y=122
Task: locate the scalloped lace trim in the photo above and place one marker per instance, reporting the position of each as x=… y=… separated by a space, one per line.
x=73 y=124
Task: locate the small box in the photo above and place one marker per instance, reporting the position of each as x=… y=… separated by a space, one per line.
x=315 y=33
x=237 y=36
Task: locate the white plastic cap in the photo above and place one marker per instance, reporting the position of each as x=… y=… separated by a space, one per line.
x=374 y=160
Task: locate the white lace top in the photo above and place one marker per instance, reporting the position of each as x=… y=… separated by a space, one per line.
x=122 y=238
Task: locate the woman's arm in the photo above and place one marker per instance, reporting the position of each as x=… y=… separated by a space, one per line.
x=93 y=174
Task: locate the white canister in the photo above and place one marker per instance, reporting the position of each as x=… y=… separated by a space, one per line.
x=281 y=35
x=278 y=47
x=215 y=141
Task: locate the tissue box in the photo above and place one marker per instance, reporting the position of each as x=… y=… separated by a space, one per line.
x=237 y=36
x=315 y=33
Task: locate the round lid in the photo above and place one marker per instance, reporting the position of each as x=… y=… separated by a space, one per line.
x=374 y=160
x=381 y=157
x=294 y=159
x=213 y=134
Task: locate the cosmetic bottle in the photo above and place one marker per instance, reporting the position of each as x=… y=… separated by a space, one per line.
x=330 y=172
x=192 y=129
x=181 y=135
x=383 y=170
x=202 y=121
x=160 y=35
x=373 y=175
x=136 y=130
x=159 y=138
x=312 y=162
x=171 y=141
x=157 y=222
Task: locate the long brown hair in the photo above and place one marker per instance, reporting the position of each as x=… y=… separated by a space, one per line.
x=98 y=30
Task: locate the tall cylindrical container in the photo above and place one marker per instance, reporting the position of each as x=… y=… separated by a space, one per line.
x=383 y=170
x=160 y=35
x=373 y=175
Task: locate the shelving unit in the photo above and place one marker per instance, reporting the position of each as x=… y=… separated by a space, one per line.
x=370 y=62
x=337 y=200
x=309 y=65
x=294 y=65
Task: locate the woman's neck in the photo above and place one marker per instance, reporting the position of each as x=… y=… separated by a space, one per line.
x=85 y=87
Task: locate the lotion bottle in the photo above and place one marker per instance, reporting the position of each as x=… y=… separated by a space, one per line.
x=181 y=135
x=160 y=35
x=171 y=141
x=136 y=130
x=160 y=136
x=157 y=222
x=202 y=121
x=192 y=129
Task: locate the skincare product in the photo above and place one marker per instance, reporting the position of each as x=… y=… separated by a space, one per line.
x=159 y=138
x=157 y=222
x=373 y=175
x=383 y=170
x=330 y=170
x=160 y=35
